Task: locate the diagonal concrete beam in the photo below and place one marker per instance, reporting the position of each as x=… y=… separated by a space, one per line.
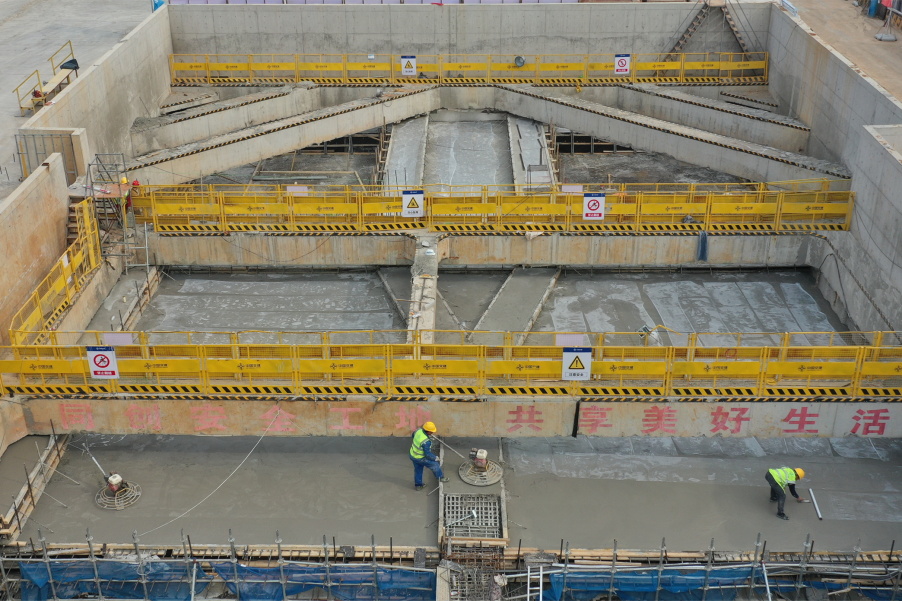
x=742 y=158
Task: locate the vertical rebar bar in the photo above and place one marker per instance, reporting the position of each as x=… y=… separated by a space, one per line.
x=857 y=550
x=708 y=570
x=5 y=588
x=234 y=559
x=613 y=571
x=566 y=565
x=188 y=562
x=803 y=565
x=281 y=562
x=326 y=559
x=141 y=569
x=754 y=565
x=43 y=542
x=898 y=576
x=375 y=567
x=90 y=540
x=660 y=569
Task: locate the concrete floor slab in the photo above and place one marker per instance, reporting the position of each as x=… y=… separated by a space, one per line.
x=271 y=302
x=19 y=456
x=518 y=301
x=469 y=294
x=468 y=153
x=351 y=488
x=785 y=301
x=635 y=167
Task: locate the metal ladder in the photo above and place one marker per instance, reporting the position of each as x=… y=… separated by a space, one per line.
x=535 y=581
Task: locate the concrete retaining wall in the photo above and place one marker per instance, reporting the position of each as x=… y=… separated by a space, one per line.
x=129 y=81
x=306 y=251
x=484 y=29
x=861 y=270
x=485 y=251
x=626 y=252
x=849 y=115
x=32 y=235
x=524 y=417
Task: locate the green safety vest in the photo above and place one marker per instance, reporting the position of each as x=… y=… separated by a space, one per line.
x=783 y=475
x=416 y=449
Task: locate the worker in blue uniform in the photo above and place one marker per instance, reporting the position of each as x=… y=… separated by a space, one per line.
x=422 y=456
x=779 y=479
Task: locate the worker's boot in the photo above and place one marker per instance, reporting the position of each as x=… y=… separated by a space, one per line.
x=419 y=486
x=782 y=516
x=444 y=479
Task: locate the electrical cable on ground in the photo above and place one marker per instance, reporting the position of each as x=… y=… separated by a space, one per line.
x=234 y=471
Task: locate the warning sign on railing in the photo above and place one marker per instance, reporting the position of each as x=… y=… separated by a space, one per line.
x=577 y=363
x=412 y=205
x=102 y=363
x=409 y=66
x=593 y=205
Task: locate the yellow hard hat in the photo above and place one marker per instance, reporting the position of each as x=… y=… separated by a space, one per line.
x=799 y=472
x=429 y=427
x=124 y=180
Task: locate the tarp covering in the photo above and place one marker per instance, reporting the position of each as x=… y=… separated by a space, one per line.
x=676 y=585
x=165 y=580
x=344 y=581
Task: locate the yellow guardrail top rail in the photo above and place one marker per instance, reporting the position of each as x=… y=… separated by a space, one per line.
x=552 y=69
x=763 y=207
x=356 y=362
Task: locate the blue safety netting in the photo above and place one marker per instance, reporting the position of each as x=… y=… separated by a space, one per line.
x=675 y=585
x=164 y=581
x=344 y=581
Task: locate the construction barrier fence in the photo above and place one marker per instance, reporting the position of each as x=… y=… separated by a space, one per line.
x=67 y=277
x=540 y=69
x=619 y=364
x=803 y=205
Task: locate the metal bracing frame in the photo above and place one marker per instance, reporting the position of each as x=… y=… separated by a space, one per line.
x=102 y=182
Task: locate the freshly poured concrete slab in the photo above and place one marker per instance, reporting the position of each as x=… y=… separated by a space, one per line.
x=689 y=302
x=519 y=300
x=404 y=166
x=469 y=294
x=271 y=302
x=586 y=491
x=467 y=152
x=349 y=488
x=20 y=456
x=696 y=493
x=636 y=167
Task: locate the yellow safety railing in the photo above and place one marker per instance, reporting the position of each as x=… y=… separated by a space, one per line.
x=56 y=291
x=378 y=69
x=34 y=91
x=362 y=365
x=767 y=207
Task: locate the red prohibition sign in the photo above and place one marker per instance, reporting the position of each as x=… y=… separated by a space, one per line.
x=594 y=204
x=101 y=361
x=621 y=62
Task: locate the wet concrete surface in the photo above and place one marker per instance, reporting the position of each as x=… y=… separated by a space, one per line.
x=468 y=294
x=586 y=491
x=635 y=167
x=19 y=456
x=518 y=301
x=271 y=302
x=311 y=168
x=759 y=301
x=468 y=152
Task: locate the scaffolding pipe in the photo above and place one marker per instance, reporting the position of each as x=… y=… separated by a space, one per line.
x=281 y=565
x=234 y=560
x=43 y=542
x=326 y=558
x=660 y=570
x=708 y=570
x=613 y=571
x=766 y=582
x=140 y=564
x=90 y=540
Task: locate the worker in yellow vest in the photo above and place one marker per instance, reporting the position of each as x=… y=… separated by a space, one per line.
x=422 y=456
x=779 y=479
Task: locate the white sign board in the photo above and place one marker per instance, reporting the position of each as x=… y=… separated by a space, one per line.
x=621 y=64
x=593 y=205
x=412 y=205
x=409 y=66
x=102 y=363
x=577 y=364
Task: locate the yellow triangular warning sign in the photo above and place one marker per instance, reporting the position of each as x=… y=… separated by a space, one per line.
x=408 y=65
x=577 y=364
x=413 y=204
